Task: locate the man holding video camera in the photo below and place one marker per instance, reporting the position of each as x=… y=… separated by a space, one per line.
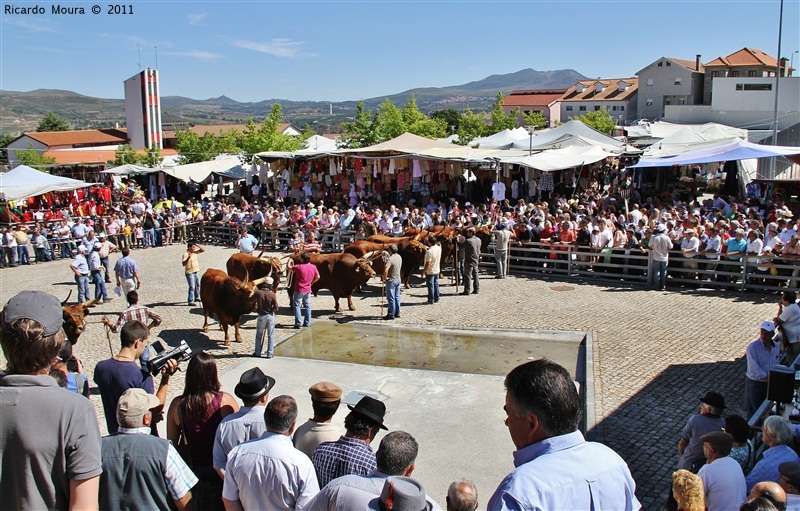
x=117 y=374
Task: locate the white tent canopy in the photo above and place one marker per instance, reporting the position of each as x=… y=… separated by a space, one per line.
x=25 y=181
x=128 y=169
x=230 y=167
x=569 y=129
x=500 y=140
x=558 y=159
x=730 y=150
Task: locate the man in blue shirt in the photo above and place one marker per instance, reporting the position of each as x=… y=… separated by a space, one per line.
x=246 y=242
x=555 y=467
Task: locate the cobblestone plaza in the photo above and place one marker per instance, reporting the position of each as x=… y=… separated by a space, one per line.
x=655 y=353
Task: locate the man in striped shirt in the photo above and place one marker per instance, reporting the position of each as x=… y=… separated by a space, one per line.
x=135 y=312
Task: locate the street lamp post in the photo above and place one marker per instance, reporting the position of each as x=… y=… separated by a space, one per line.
x=791 y=62
x=777 y=84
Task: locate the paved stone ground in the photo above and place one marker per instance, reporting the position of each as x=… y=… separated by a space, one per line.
x=655 y=353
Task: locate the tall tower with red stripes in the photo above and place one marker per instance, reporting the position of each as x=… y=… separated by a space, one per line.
x=143 y=110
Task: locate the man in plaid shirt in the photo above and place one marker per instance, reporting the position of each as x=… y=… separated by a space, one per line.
x=351 y=454
x=135 y=312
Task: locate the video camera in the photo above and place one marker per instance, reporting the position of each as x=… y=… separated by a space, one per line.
x=181 y=353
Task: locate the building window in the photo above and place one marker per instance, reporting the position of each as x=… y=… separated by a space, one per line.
x=714 y=73
x=596 y=108
x=668 y=101
x=752 y=73
x=650 y=81
x=669 y=64
x=678 y=81
x=649 y=102
x=660 y=64
x=682 y=101
x=622 y=108
x=569 y=108
x=754 y=86
x=734 y=73
x=581 y=108
x=613 y=109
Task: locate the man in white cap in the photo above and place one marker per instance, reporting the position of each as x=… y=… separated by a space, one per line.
x=762 y=355
x=660 y=244
x=80 y=267
x=266 y=305
x=140 y=470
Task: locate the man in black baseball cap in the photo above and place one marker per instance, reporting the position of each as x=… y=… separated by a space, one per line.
x=352 y=454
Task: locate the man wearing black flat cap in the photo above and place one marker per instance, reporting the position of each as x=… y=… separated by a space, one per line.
x=351 y=454
x=709 y=419
x=246 y=424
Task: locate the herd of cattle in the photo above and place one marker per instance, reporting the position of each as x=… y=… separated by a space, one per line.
x=229 y=296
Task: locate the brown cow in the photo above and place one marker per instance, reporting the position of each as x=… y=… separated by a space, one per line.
x=228 y=298
x=339 y=273
x=364 y=248
x=74 y=315
x=413 y=255
x=242 y=265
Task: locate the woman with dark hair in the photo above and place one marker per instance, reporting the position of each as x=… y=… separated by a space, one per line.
x=742 y=450
x=192 y=422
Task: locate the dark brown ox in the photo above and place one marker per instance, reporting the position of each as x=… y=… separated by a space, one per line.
x=445 y=235
x=74 y=315
x=339 y=273
x=227 y=298
x=413 y=255
x=244 y=265
x=364 y=248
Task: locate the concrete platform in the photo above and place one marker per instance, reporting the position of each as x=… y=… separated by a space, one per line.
x=456 y=418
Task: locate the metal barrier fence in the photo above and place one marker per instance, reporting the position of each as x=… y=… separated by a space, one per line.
x=749 y=273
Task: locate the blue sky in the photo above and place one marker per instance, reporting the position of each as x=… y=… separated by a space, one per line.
x=335 y=51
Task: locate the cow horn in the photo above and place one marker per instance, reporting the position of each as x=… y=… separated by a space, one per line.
x=260 y=281
x=90 y=303
x=246 y=278
x=67 y=298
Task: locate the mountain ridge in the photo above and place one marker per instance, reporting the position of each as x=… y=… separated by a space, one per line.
x=21 y=110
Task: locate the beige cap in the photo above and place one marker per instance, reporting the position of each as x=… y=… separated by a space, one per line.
x=136 y=402
x=325 y=392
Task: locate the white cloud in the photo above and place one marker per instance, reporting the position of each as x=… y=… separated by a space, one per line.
x=278 y=47
x=34 y=25
x=195 y=19
x=195 y=54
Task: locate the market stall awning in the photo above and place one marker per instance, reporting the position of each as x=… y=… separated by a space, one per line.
x=731 y=150
x=129 y=169
x=25 y=181
x=567 y=131
x=558 y=159
x=230 y=167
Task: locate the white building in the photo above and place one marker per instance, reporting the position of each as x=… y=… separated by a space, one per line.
x=744 y=102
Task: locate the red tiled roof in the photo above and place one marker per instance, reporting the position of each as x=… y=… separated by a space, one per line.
x=217 y=129
x=87 y=156
x=531 y=99
x=691 y=65
x=745 y=57
x=78 y=137
x=610 y=90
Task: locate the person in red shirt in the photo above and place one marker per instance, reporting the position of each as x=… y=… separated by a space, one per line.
x=305 y=274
